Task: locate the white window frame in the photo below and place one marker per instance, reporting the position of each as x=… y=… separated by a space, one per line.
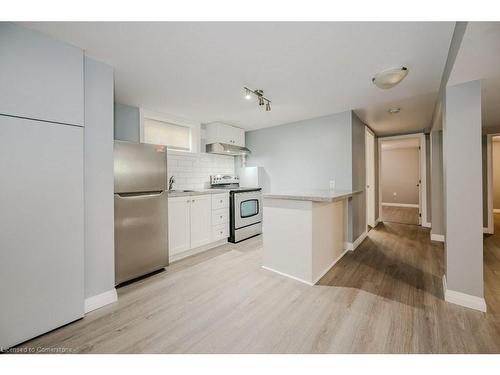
x=194 y=139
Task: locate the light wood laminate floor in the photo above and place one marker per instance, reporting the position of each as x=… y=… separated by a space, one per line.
x=402 y=215
x=385 y=297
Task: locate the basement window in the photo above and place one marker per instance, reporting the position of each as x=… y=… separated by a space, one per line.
x=174 y=136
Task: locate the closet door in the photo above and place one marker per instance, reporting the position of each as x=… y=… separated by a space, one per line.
x=42 y=227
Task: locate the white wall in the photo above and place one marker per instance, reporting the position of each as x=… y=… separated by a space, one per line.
x=192 y=170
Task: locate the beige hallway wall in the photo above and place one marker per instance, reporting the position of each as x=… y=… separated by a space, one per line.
x=400 y=175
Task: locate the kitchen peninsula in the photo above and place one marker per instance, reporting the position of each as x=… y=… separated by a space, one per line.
x=305 y=232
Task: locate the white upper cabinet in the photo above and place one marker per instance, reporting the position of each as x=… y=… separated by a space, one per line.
x=40 y=78
x=223 y=133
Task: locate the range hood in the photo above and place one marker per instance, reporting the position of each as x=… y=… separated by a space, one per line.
x=226 y=149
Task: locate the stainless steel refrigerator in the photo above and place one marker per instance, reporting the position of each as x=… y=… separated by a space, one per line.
x=141 y=204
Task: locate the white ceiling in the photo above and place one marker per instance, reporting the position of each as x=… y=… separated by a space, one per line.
x=415 y=115
x=400 y=143
x=479 y=58
x=197 y=70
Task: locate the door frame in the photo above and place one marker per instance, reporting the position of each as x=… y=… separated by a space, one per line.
x=374 y=182
x=490 y=229
x=422 y=204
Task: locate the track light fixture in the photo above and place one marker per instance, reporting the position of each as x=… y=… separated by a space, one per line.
x=260 y=96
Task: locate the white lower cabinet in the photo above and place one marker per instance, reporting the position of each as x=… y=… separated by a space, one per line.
x=179 y=234
x=201 y=220
x=193 y=224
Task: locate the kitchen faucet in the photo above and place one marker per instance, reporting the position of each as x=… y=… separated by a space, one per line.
x=171 y=182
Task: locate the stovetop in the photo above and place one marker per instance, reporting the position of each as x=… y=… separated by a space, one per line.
x=234 y=188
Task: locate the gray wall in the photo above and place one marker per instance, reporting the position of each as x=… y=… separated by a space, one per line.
x=305 y=154
x=99 y=214
x=400 y=175
x=463 y=188
x=358 y=202
x=496 y=174
x=308 y=154
x=437 y=198
x=126 y=123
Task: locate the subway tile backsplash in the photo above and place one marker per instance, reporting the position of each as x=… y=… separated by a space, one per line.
x=192 y=171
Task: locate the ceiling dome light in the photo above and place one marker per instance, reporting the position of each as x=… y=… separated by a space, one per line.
x=390 y=77
x=394 y=111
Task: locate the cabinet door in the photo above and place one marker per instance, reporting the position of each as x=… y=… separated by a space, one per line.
x=239 y=137
x=40 y=77
x=178 y=225
x=201 y=220
x=42 y=227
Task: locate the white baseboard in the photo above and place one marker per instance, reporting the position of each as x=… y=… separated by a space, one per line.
x=487 y=231
x=462 y=299
x=352 y=246
x=328 y=268
x=287 y=275
x=197 y=250
x=400 y=205
x=100 y=300
x=426 y=225
x=496 y=210
x=437 y=237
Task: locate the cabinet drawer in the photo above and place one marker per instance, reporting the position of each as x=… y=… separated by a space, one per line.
x=220 y=201
x=220 y=232
x=220 y=216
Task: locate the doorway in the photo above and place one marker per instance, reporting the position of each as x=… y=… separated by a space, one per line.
x=402 y=179
x=493 y=183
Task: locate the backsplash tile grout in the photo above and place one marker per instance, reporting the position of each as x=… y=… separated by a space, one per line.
x=192 y=170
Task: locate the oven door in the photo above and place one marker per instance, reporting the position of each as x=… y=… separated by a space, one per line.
x=247 y=208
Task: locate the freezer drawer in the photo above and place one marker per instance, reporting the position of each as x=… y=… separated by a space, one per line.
x=141 y=243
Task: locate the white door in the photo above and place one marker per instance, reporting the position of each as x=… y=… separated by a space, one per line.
x=370 y=178
x=179 y=225
x=201 y=220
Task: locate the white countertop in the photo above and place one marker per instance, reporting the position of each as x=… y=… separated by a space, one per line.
x=181 y=193
x=316 y=195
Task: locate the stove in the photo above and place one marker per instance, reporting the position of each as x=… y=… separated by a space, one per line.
x=245 y=207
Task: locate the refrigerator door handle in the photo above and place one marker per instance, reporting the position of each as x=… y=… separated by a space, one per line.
x=140 y=195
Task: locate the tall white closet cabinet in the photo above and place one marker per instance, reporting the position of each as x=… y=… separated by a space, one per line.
x=42 y=187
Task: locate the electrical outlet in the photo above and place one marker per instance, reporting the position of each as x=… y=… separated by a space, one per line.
x=332 y=184
x=394 y=194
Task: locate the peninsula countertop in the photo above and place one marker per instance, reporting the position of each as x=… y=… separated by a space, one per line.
x=316 y=195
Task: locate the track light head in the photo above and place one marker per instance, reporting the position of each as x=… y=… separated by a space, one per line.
x=260 y=95
x=248 y=96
